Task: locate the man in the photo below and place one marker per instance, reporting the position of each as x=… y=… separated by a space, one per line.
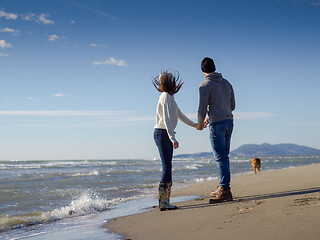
x=217 y=100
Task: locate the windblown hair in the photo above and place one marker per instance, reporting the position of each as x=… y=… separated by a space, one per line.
x=167 y=82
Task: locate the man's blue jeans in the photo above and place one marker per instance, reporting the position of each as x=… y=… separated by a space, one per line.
x=220 y=135
x=165 y=148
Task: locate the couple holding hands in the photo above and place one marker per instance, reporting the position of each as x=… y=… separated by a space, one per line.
x=217 y=101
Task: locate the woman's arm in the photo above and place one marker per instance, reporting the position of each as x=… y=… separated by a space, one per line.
x=185 y=119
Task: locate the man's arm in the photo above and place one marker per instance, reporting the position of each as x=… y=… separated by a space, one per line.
x=233 y=102
x=203 y=106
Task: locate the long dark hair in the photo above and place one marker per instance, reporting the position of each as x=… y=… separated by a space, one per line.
x=167 y=82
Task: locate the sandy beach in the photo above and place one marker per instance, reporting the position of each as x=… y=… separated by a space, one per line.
x=279 y=204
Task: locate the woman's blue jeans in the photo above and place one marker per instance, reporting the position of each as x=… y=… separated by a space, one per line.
x=165 y=148
x=220 y=135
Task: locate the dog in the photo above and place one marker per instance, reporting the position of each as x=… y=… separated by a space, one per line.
x=256 y=164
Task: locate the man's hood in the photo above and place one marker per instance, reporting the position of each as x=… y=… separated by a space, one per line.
x=214 y=76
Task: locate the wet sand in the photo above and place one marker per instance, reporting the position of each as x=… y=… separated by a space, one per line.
x=279 y=204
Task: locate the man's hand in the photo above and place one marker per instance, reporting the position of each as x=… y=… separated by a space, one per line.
x=204 y=125
x=175 y=145
x=206 y=122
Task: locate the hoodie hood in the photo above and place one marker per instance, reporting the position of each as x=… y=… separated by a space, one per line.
x=214 y=76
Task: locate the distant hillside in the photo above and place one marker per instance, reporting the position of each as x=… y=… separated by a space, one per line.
x=265 y=149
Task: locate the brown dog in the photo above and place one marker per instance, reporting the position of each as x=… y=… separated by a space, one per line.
x=256 y=164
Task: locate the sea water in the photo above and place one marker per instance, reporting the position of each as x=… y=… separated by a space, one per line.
x=55 y=199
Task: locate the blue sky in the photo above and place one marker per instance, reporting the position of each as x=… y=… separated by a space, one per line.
x=76 y=74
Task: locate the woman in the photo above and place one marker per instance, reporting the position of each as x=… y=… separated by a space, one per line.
x=167 y=117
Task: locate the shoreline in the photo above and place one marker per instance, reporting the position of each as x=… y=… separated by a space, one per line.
x=282 y=203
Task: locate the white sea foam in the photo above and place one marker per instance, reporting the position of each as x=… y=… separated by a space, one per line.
x=53 y=164
x=193 y=166
x=205 y=179
x=92 y=173
x=84 y=205
x=240 y=160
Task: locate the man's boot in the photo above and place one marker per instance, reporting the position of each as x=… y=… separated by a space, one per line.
x=222 y=195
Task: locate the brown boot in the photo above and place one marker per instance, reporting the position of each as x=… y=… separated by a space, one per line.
x=222 y=195
x=215 y=193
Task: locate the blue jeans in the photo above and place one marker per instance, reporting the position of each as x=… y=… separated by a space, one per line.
x=220 y=135
x=165 y=148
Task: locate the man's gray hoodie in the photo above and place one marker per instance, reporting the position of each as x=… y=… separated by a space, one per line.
x=216 y=99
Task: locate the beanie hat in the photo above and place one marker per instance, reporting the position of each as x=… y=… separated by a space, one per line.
x=207 y=65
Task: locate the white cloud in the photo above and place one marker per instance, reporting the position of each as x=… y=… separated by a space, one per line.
x=97 y=45
x=43 y=19
x=111 y=61
x=31 y=99
x=10 y=30
x=4 y=44
x=237 y=116
x=137 y=119
x=53 y=37
x=4 y=55
x=130 y=115
x=316 y=3
x=8 y=15
x=252 y=115
x=58 y=95
x=63 y=113
x=28 y=17
x=73 y=22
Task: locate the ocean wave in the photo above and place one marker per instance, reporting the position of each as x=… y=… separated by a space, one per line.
x=84 y=205
x=240 y=160
x=193 y=166
x=92 y=173
x=53 y=164
x=198 y=180
x=205 y=179
x=33 y=176
x=123 y=171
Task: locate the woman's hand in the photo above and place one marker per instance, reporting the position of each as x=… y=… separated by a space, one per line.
x=175 y=145
x=199 y=127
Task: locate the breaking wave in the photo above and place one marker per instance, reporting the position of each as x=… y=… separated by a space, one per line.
x=83 y=205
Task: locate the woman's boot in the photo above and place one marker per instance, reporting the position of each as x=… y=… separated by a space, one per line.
x=164 y=196
x=171 y=207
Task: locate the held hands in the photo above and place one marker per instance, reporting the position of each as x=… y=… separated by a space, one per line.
x=204 y=125
x=199 y=127
x=175 y=145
